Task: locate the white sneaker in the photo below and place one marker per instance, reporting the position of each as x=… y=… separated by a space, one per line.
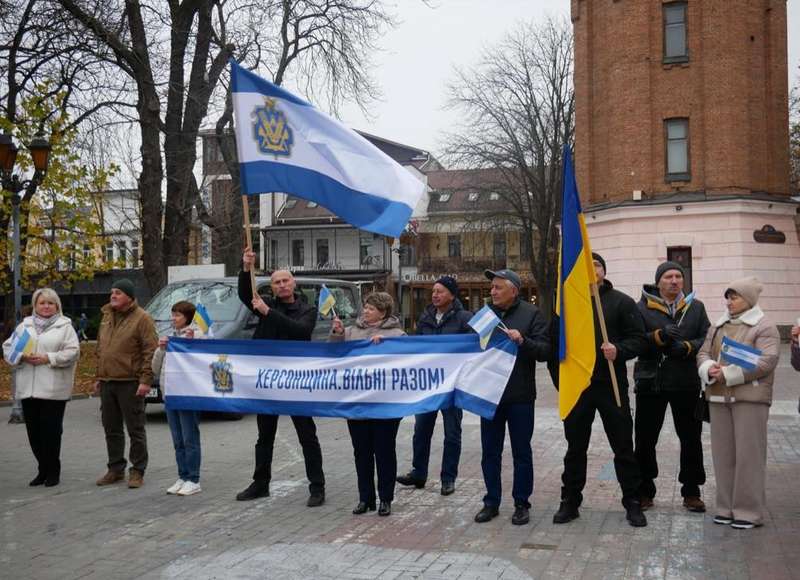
x=175 y=487
x=189 y=488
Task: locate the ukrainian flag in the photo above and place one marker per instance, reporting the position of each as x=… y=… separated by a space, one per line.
x=576 y=349
x=202 y=318
x=326 y=301
x=21 y=344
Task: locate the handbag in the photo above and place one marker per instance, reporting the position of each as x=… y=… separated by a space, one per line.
x=701 y=410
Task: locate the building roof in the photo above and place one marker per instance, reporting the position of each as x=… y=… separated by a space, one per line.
x=465 y=191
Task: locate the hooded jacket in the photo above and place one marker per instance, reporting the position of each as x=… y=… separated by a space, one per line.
x=284 y=321
x=55 y=379
x=126 y=342
x=454 y=321
x=665 y=364
x=389 y=326
x=525 y=317
x=751 y=328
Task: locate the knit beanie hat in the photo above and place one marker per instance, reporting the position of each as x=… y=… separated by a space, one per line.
x=665 y=267
x=748 y=288
x=450 y=283
x=126 y=286
x=599 y=258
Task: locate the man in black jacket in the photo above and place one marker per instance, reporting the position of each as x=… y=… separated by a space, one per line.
x=666 y=374
x=626 y=340
x=445 y=315
x=287 y=316
x=526 y=327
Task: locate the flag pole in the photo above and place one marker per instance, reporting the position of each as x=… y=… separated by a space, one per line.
x=249 y=241
x=602 y=319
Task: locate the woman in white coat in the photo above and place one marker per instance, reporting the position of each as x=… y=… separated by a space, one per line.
x=44 y=380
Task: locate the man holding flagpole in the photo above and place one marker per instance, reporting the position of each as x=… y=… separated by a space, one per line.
x=599 y=328
x=285 y=317
x=525 y=325
x=666 y=374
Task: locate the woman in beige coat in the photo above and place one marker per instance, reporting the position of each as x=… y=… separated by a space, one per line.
x=739 y=401
x=374 y=440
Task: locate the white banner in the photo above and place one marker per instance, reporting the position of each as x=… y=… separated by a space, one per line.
x=357 y=380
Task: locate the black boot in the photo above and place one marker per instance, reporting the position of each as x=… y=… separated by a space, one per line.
x=489 y=512
x=566 y=513
x=409 y=479
x=364 y=507
x=521 y=515
x=255 y=490
x=385 y=508
x=38 y=480
x=317 y=498
x=634 y=514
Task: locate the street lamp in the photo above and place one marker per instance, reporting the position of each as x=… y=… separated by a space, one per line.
x=40 y=154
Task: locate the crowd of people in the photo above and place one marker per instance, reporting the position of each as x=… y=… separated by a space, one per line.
x=679 y=364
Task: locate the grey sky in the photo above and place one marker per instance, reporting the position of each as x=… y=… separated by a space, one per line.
x=419 y=56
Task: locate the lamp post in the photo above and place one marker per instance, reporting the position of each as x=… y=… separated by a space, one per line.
x=40 y=154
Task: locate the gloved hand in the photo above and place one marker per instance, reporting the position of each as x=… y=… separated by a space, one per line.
x=675 y=332
x=677 y=350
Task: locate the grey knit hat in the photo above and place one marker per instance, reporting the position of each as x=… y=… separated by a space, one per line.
x=665 y=267
x=748 y=288
x=126 y=286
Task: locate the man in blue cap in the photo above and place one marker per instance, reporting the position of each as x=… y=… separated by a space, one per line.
x=527 y=328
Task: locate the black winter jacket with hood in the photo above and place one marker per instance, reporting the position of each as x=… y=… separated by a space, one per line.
x=284 y=321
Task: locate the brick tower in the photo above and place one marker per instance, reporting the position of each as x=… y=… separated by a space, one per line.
x=681 y=143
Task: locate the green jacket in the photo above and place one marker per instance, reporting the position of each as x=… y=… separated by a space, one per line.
x=126 y=342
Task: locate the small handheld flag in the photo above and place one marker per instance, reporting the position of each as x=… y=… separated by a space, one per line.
x=687 y=301
x=739 y=354
x=484 y=322
x=203 y=319
x=21 y=344
x=326 y=301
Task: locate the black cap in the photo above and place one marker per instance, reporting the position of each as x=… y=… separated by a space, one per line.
x=665 y=267
x=599 y=258
x=509 y=275
x=450 y=283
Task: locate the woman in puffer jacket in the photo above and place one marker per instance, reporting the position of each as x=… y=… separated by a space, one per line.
x=45 y=375
x=739 y=398
x=374 y=440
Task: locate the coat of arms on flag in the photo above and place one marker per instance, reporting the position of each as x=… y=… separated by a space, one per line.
x=271 y=129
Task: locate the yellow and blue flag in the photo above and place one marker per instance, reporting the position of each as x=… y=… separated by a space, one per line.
x=576 y=348
x=326 y=301
x=21 y=344
x=484 y=322
x=202 y=319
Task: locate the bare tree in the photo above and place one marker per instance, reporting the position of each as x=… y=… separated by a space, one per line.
x=175 y=54
x=519 y=110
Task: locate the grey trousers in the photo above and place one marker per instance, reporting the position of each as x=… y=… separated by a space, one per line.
x=120 y=406
x=739 y=449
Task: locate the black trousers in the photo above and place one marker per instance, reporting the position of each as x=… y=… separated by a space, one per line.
x=312 y=453
x=374 y=446
x=650 y=411
x=44 y=421
x=618 y=425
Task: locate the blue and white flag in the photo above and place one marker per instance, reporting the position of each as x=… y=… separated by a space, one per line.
x=286 y=145
x=739 y=354
x=21 y=344
x=354 y=379
x=484 y=322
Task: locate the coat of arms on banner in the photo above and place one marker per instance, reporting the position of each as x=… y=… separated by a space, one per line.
x=222 y=375
x=271 y=129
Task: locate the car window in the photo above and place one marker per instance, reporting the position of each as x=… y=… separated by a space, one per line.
x=220 y=299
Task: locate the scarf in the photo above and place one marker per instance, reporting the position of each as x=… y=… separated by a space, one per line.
x=41 y=324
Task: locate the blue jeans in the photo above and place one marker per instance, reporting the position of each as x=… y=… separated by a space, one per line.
x=519 y=417
x=186 y=439
x=423 y=432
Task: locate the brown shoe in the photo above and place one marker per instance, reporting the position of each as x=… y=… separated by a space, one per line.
x=135 y=479
x=110 y=477
x=647 y=503
x=694 y=504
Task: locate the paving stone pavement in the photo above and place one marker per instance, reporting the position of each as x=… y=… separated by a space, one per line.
x=79 y=530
